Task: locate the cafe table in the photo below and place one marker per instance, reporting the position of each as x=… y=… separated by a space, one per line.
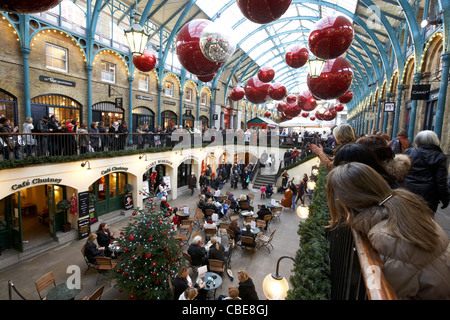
x=62 y=292
x=212 y=281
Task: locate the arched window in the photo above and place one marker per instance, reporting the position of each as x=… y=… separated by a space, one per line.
x=143 y=116
x=107 y=112
x=167 y=118
x=65 y=108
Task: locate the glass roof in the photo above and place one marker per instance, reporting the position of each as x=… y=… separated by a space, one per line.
x=268 y=43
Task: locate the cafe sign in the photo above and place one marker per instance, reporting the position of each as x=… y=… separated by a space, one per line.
x=35 y=181
x=156 y=162
x=112 y=169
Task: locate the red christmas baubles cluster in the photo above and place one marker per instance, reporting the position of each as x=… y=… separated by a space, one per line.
x=263 y=11
x=145 y=62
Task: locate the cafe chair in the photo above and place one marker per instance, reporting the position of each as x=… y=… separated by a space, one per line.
x=209 y=212
x=184 y=237
x=223 y=199
x=267 y=219
x=97 y=295
x=276 y=213
x=244 y=205
x=252 y=196
x=198 y=219
x=209 y=232
x=215 y=265
x=105 y=264
x=223 y=229
x=89 y=264
x=44 y=283
x=188 y=259
x=261 y=224
x=184 y=225
x=266 y=241
x=231 y=236
x=248 y=243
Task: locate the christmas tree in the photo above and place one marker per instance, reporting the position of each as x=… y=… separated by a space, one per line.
x=150 y=254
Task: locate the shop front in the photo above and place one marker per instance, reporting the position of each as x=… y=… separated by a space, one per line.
x=64 y=108
x=107 y=112
x=109 y=192
x=30 y=215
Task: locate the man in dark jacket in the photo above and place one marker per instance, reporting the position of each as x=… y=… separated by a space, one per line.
x=198 y=253
x=192 y=183
x=55 y=140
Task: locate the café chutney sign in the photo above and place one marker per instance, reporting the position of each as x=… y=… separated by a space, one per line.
x=112 y=169
x=28 y=183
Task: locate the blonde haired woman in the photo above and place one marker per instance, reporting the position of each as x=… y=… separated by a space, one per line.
x=217 y=250
x=343 y=134
x=246 y=287
x=415 y=251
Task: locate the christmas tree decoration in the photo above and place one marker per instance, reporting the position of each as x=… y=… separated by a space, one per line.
x=292 y=109
x=339 y=107
x=189 y=52
x=256 y=91
x=333 y=82
x=145 y=62
x=237 y=94
x=291 y=98
x=281 y=107
x=28 y=6
x=296 y=57
x=263 y=11
x=346 y=97
x=267 y=114
x=266 y=74
x=331 y=37
x=277 y=91
x=149 y=255
x=312 y=118
x=305 y=114
x=217 y=42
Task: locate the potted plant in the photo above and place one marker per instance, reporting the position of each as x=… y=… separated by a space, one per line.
x=63 y=206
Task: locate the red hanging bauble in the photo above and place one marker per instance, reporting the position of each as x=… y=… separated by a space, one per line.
x=256 y=91
x=237 y=94
x=330 y=37
x=145 y=62
x=334 y=81
x=188 y=49
x=339 y=107
x=206 y=78
x=305 y=114
x=266 y=74
x=312 y=118
x=291 y=98
x=292 y=110
x=267 y=114
x=263 y=11
x=306 y=101
x=277 y=91
x=281 y=107
x=296 y=57
x=27 y=6
x=346 y=97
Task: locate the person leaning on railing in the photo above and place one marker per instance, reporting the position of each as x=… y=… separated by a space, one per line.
x=399 y=225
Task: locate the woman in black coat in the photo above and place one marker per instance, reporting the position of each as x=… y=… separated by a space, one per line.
x=91 y=251
x=247 y=289
x=428 y=174
x=104 y=238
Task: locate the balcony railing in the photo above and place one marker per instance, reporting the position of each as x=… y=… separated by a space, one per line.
x=356 y=268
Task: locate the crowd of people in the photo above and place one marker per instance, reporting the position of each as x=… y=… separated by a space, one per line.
x=390 y=190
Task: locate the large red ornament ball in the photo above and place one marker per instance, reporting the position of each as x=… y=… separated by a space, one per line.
x=27 y=6
x=306 y=101
x=277 y=91
x=333 y=82
x=346 y=97
x=237 y=94
x=188 y=49
x=296 y=57
x=145 y=62
x=206 y=78
x=319 y=113
x=263 y=11
x=281 y=107
x=291 y=98
x=267 y=114
x=292 y=110
x=330 y=37
x=256 y=91
x=266 y=74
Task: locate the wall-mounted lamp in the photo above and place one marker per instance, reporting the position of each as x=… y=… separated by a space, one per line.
x=143 y=156
x=83 y=164
x=275 y=286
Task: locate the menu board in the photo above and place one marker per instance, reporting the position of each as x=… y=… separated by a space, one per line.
x=84 y=228
x=83 y=204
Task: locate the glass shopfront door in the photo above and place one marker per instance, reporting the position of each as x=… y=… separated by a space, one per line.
x=109 y=191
